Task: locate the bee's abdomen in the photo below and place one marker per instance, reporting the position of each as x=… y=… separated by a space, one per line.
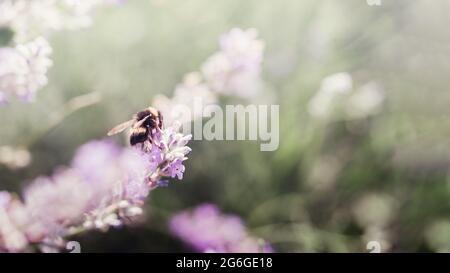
x=138 y=135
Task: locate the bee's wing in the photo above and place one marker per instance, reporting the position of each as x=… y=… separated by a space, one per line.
x=119 y=128
x=139 y=123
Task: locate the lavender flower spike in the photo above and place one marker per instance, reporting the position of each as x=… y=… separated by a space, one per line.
x=104 y=187
x=173 y=145
x=166 y=154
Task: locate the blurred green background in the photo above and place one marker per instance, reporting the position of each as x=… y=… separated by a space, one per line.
x=328 y=187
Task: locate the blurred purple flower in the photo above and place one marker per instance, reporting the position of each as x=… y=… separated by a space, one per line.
x=23 y=69
x=206 y=229
x=192 y=91
x=94 y=158
x=337 y=98
x=12 y=237
x=235 y=69
x=97 y=163
x=118 y=179
x=59 y=201
x=29 y=19
x=135 y=177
